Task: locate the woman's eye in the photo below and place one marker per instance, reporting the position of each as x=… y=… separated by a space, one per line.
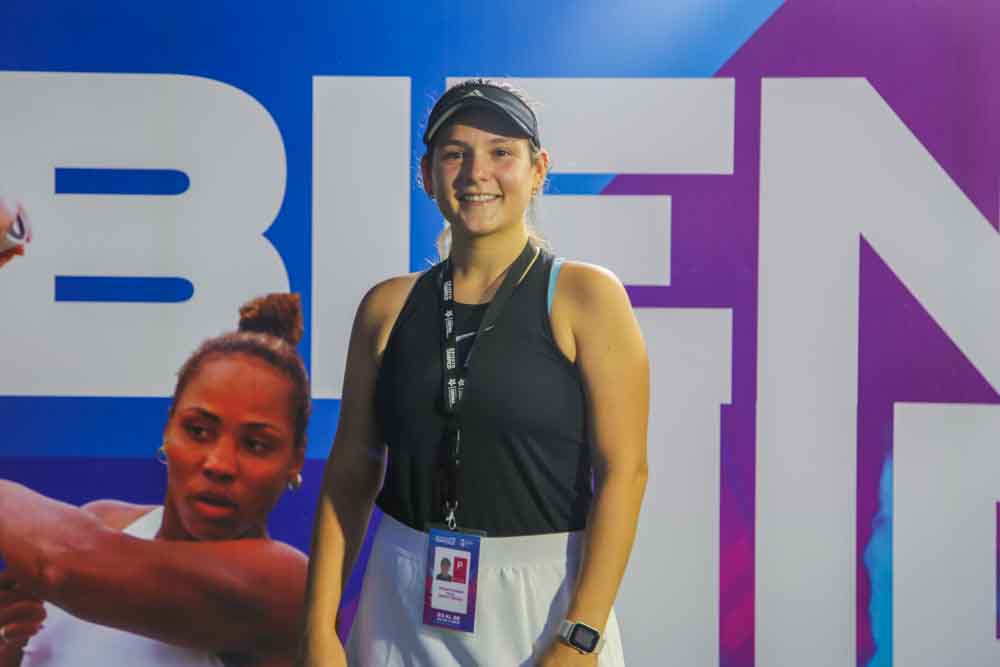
x=502 y=152
x=452 y=155
x=196 y=431
x=258 y=446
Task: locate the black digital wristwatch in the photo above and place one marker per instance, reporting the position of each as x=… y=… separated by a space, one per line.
x=580 y=636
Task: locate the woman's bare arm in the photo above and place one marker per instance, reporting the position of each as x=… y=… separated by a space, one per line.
x=608 y=348
x=237 y=596
x=353 y=474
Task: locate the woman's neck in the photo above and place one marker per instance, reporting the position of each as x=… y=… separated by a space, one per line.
x=481 y=262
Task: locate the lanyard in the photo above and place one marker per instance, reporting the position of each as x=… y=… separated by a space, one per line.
x=453 y=380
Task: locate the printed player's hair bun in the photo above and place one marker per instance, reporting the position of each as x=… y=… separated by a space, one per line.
x=277 y=314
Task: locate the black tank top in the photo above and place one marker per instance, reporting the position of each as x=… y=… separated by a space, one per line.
x=525 y=460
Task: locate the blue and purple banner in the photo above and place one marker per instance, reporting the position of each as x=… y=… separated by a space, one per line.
x=802 y=199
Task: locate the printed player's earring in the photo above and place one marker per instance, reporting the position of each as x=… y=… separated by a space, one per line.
x=161 y=453
x=295 y=483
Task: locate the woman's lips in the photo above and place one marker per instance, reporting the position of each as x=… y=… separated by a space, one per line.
x=478 y=199
x=214 y=506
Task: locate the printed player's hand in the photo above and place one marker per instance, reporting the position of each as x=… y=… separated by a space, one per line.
x=21 y=616
x=7 y=217
x=10 y=254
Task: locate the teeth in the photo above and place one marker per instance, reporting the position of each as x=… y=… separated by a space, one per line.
x=478 y=197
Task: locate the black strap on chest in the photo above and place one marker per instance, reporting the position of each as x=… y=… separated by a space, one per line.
x=453 y=376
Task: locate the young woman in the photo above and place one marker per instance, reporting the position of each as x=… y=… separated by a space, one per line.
x=550 y=456
x=196 y=581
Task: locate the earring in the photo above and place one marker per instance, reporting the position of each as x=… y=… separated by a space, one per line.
x=295 y=483
x=161 y=453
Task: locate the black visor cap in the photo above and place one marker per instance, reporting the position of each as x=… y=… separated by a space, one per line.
x=465 y=96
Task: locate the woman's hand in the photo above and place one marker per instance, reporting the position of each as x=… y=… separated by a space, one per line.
x=10 y=254
x=7 y=218
x=333 y=652
x=564 y=655
x=21 y=617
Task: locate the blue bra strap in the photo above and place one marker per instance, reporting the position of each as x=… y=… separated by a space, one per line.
x=553 y=276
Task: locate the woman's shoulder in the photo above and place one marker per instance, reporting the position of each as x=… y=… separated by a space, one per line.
x=588 y=287
x=586 y=299
x=379 y=310
x=383 y=302
x=391 y=289
x=117 y=514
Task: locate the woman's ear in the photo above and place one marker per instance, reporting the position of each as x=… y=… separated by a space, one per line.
x=425 y=175
x=541 y=169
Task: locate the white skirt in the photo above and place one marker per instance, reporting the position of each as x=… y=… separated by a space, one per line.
x=524 y=591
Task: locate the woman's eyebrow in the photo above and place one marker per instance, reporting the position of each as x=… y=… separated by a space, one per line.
x=263 y=426
x=456 y=142
x=202 y=412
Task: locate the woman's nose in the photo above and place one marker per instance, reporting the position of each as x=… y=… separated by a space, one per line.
x=221 y=460
x=475 y=167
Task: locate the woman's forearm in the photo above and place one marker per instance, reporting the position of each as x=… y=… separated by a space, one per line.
x=41 y=537
x=324 y=586
x=349 y=490
x=608 y=542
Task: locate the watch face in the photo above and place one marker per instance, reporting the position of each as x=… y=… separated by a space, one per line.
x=584 y=638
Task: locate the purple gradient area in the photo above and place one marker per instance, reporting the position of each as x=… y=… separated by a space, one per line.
x=714 y=264
x=936 y=64
x=937 y=67
x=904 y=356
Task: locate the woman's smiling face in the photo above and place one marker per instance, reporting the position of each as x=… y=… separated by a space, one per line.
x=482 y=173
